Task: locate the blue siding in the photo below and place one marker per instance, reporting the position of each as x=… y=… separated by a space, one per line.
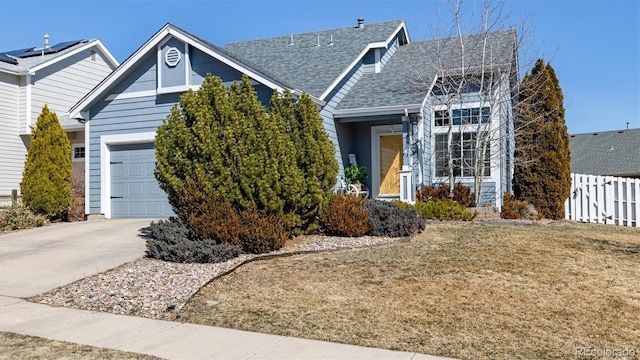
x=141 y=78
x=127 y=116
x=173 y=75
x=332 y=100
x=201 y=64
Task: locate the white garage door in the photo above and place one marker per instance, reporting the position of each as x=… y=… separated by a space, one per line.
x=135 y=192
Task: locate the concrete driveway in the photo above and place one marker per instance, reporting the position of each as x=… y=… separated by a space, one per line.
x=37 y=260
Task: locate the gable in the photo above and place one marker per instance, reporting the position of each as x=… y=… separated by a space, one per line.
x=172 y=62
x=316 y=62
x=185 y=69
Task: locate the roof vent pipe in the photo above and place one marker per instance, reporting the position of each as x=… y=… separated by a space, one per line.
x=360 y=23
x=46 y=41
x=330 y=40
x=291 y=40
x=318 y=43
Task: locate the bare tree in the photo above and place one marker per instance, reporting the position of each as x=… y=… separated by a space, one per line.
x=473 y=83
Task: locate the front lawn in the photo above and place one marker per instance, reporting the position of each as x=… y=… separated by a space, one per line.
x=466 y=291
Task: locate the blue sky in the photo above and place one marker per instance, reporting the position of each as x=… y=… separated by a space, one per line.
x=594 y=46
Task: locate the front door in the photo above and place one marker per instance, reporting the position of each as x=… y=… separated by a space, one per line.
x=390 y=164
x=387 y=158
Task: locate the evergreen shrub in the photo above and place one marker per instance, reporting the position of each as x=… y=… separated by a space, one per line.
x=346 y=215
x=388 y=219
x=445 y=210
x=19 y=217
x=278 y=161
x=169 y=240
x=46 y=178
x=461 y=194
x=542 y=174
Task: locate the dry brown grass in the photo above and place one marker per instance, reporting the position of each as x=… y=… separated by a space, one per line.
x=14 y=346
x=465 y=291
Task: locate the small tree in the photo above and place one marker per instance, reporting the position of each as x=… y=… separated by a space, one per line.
x=542 y=176
x=46 y=179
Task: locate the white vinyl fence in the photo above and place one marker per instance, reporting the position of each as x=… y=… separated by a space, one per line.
x=604 y=200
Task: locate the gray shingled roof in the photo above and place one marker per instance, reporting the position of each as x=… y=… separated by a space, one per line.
x=306 y=66
x=408 y=74
x=606 y=153
x=24 y=64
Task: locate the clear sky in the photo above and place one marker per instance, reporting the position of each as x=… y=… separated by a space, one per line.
x=594 y=46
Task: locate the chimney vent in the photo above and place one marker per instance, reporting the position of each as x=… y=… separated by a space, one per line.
x=360 y=23
x=46 y=41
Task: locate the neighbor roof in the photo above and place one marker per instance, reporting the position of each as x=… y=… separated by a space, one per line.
x=26 y=64
x=409 y=73
x=614 y=153
x=310 y=67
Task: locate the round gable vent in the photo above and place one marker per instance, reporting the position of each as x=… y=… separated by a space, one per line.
x=172 y=56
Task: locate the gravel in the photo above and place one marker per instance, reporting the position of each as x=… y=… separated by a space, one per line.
x=157 y=289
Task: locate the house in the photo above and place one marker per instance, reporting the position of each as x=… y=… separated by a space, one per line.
x=57 y=75
x=607 y=153
x=373 y=87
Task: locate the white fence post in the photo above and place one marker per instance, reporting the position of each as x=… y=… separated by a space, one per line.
x=604 y=199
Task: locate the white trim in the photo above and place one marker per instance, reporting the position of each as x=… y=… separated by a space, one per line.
x=173 y=89
x=187 y=65
x=105 y=163
x=97 y=43
x=87 y=168
x=376 y=132
x=152 y=43
x=383 y=44
x=377 y=66
x=378 y=110
x=159 y=64
x=130 y=95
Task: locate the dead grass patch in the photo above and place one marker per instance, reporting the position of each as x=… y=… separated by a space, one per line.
x=15 y=346
x=465 y=291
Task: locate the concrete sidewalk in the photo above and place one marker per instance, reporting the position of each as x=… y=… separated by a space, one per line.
x=172 y=340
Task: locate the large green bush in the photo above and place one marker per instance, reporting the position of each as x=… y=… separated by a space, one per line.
x=46 y=179
x=280 y=162
x=314 y=154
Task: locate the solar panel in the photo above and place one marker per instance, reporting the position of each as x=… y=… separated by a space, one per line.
x=7 y=59
x=64 y=45
x=17 y=53
x=50 y=50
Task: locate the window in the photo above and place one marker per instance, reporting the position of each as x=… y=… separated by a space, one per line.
x=463 y=150
x=78 y=153
x=462 y=116
x=457 y=85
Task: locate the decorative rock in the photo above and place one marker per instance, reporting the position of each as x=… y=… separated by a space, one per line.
x=160 y=288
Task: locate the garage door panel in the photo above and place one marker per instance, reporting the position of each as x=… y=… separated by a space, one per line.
x=153 y=189
x=133 y=179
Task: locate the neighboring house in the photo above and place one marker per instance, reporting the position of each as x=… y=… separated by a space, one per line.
x=371 y=83
x=58 y=76
x=609 y=153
